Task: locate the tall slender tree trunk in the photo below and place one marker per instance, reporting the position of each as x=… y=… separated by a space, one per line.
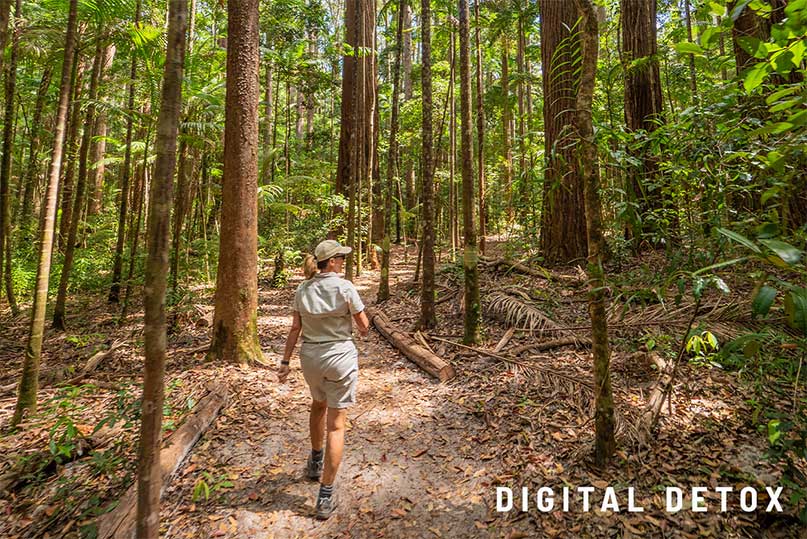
x=605 y=443
x=5 y=169
x=98 y=148
x=473 y=307
x=428 y=318
x=31 y=171
x=235 y=336
x=563 y=224
x=392 y=156
x=117 y=266
x=139 y=199
x=159 y=222
x=70 y=247
x=480 y=134
x=71 y=154
x=29 y=381
x=693 y=80
x=452 y=151
x=180 y=209
x=507 y=152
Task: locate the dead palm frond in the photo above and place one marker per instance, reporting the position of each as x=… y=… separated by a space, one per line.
x=572 y=391
x=516 y=312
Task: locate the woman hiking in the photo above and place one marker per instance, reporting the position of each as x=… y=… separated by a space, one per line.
x=324 y=307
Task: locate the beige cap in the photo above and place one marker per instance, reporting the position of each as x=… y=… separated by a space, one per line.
x=328 y=249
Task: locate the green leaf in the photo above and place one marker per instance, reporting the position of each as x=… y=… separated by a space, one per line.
x=755 y=75
x=697 y=287
x=773 y=431
x=685 y=47
x=786 y=252
x=739 y=238
x=761 y=304
x=796 y=309
x=767 y=230
x=719 y=265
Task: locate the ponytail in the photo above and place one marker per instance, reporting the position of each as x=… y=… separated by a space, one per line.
x=309 y=266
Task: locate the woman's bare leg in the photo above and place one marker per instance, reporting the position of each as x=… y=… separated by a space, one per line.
x=336 y=442
x=316 y=423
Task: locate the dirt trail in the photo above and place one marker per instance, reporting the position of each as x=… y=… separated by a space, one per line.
x=410 y=467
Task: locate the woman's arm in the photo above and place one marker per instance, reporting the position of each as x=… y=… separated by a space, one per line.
x=362 y=323
x=291 y=342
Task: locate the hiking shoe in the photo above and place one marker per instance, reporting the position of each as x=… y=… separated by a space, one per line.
x=326 y=506
x=313 y=469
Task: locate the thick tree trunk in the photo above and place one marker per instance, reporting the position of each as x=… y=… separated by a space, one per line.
x=563 y=224
x=149 y=476
x=428 y=318
x=470 y=261
x=70 y=247
x=605 y=443
x=5 y=170
x=343 y=170
x=26 y=397
x=643 y=106
x=480 y=135
x=235 y=336
x=117 y=266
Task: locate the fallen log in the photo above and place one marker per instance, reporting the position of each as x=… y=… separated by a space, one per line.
x=549 y=345
x=120 y=522
x=541 y=273
x=417 y=353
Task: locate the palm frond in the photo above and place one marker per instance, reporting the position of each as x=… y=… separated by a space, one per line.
x=516 y=312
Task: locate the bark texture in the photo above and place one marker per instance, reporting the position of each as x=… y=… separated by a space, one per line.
x=428 y=318
x=235 y=336
x=605 y=443
x=149 y=469
x=563 y=224
x=470 y=260
x=26 y=396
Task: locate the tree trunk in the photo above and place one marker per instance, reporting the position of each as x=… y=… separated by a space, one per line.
x=32 y=170
x=563 y=224
x=507 y=153
x=138 y=201
x=392 y=156
x=643 y=107
x=99 y=145
x=235 y=337
x=428 y=318
x=605 y=443
x=71 y=153
x=26 y=397
x=70 y=247
x=180 y=209
x=149 y=479
x=5 y=169
x=473 y=307
x=480 y=135
x=343 y=170
x=117 y=266
x=693 y=80
x=747 y=24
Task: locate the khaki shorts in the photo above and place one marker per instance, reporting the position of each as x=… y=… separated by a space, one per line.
x=331 y=371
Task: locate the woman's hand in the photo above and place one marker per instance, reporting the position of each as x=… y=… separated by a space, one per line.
x=283 y=373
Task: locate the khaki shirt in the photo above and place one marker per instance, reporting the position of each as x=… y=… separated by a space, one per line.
x=325 y=303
